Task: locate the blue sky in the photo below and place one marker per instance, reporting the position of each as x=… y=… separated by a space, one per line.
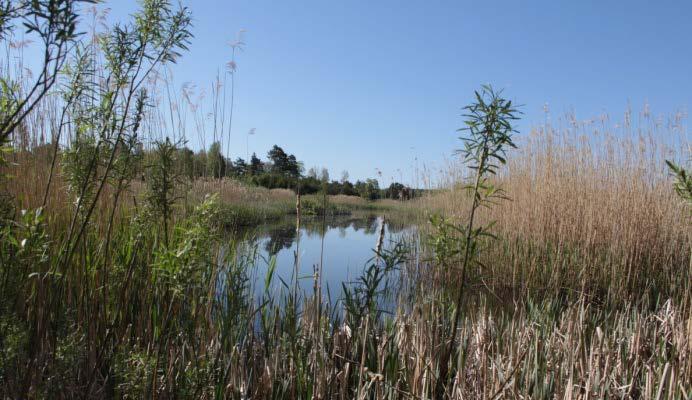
x=359 y=85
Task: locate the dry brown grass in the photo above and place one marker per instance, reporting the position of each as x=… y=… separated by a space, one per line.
x=28 y=174
x=25 y=181
x=349 y=200
x=592 y=214
x=589 y=204
x=232 y=191
x=633 y=355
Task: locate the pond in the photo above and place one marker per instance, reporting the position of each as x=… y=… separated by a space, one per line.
x=342 y=246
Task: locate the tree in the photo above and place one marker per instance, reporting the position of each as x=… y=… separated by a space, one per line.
x=187 y=164
x=283 y=163
x=344 y=176
x=395 y=191
x=324 y=175
x=373 y=189
x=279 y=159
x=312 y=173
x=369 y=190
x=348 y=189
x=216 y=164
x=256 y=166
x=293 y=168
x=199 y=163
x=239 y=167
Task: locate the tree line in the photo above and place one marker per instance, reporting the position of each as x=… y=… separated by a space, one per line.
x=281 y=170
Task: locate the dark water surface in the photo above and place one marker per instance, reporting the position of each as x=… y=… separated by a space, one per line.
x=342 y=246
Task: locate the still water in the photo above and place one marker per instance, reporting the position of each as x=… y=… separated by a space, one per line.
x=342 y=246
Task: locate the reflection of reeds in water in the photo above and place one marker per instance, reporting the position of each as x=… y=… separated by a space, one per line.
x=380 y=240
x=380 y=236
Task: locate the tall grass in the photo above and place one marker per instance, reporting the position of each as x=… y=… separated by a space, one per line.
x=184 y=319
x=586 y=294
x=591 y=205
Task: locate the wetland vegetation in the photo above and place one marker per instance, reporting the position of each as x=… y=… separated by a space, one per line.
x=551 y=264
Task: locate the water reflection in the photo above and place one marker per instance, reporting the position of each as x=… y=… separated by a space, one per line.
x=282 y=234
x=342 y=246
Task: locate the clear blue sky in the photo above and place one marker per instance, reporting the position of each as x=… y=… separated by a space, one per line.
x=360 y=85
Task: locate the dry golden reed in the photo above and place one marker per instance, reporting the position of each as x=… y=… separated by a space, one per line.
x=590 y=204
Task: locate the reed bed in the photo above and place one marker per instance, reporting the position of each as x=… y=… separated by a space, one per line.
x=232 y=191
x=585 y=295
x=131 y=287
x=184 y=321
x=590 y=205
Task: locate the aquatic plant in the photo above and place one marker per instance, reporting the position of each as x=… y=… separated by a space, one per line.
x=489 y=125
x=118 y=282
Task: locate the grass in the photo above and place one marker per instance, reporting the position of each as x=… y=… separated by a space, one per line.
x=245 y=206
x=584 y=294
x=554 y=314
x=242 y=205
x=586 y=210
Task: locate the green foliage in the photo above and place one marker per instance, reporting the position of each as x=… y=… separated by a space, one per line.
x=159 y=33
x=216 y=163
x=369 y=190
x=184 y=266
x=363 y=297
x=281 y=163
x=313 y=206
x=186 y=158
x=280 y=171
x=31 y=239
x=8 y=11
x=394 y=190
x=273 y=181
x=683 y=181
x=80 y=170
x=14 y=342
x=127 y=147
x=9 y=101
x=107 y=112
x=134 y=370
x=54 y=23
x=489 y=134
x=70 y=356
x=163 y=182
x=24 y=253
x=446 y=244
x=324 y=175
x=489 y=126
x=239 y=167
x=256 y=165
